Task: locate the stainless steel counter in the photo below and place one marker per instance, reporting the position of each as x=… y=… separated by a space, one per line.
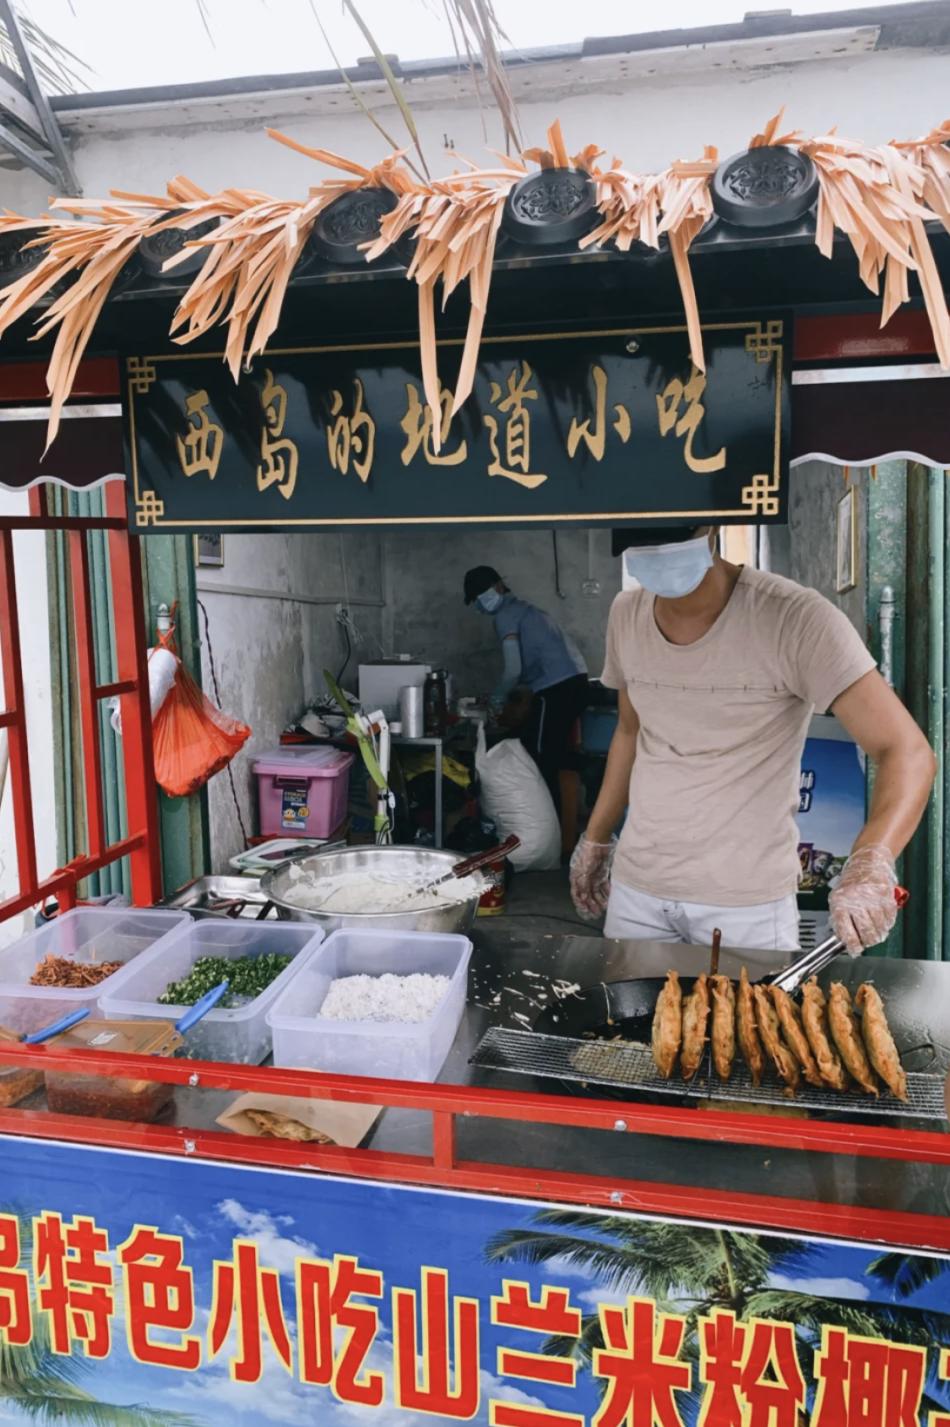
x=511 y=977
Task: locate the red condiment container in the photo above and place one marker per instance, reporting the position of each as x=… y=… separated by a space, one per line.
x=492 y=901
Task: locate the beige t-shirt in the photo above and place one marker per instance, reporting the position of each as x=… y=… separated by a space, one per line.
x=715 y=782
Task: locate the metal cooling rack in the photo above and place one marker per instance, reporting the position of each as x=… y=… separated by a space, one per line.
x=628 y=1065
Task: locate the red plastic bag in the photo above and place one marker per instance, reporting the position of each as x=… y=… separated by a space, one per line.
x=192 y=739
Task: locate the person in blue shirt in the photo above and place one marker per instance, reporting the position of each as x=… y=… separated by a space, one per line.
x=540 y=659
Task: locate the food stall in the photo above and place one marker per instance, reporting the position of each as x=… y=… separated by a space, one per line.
x=439 y=1223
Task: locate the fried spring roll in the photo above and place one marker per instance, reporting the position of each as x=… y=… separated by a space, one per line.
x=794 y=1035
x=747 y=1031
x=723 y=1026
x=668 y=1026
x=695 y=1023
x=815 y=1021
x=846 y=1035
x=878 y=1041
x=770 y=1031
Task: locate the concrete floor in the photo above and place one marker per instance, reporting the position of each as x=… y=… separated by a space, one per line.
x=540 y=902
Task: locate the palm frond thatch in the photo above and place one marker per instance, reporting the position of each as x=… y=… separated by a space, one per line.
x=480 y=30
x=932 y=154
x=92 y=254
x=643 y=207
x=253 y=252
x=455 y=223
x=881 y=199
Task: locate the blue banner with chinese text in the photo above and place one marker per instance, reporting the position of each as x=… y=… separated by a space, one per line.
x=220 y=1294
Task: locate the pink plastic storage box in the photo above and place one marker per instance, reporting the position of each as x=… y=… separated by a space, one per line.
x=302 y=791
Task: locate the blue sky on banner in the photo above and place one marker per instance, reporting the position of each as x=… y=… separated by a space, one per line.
x=294 y=1215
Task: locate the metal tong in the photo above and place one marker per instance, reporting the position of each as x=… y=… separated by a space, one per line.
x=812 y=962
x=793 y=977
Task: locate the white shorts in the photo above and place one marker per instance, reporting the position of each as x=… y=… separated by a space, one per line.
x=636 y=916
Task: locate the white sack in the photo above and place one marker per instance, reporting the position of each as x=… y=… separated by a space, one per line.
x=516 y=798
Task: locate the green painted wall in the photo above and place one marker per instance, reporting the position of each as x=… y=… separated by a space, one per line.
x=887 y=498
x=169 y=568
x=909 y=549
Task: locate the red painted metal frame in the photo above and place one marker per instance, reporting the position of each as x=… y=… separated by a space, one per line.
x=445 y=1103
x=141 y=846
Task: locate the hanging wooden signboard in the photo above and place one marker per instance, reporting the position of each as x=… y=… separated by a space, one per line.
x=586 y=427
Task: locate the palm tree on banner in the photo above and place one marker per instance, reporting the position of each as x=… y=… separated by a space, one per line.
x=904 y=1275
x=693 y=1271
x=44 y=1387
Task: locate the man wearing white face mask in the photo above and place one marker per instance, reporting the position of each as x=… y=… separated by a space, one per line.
x=539 y=657
x=718 y=670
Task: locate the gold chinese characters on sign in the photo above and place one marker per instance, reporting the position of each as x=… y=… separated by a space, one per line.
x=680 y=409
x=515 y=465
x=351 y=437
x=199 y=451
x=593 y=431
x=279 y=455
x=417 y=424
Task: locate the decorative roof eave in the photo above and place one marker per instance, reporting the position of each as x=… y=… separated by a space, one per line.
x=242 y=249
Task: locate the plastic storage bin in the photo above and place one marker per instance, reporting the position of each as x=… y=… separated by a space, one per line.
x=239 y=1034
x=391 y=1049
x=85 y=934
x=302 y=791
x=99 y=1096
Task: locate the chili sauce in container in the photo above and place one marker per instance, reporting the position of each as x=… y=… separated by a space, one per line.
x=16 y=1081
x=72 y=1093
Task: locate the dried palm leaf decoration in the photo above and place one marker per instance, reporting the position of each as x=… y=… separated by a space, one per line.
x=879 y=198
x=252 y=254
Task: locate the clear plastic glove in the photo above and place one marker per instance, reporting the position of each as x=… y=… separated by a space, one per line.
x=863 y=905
x=590 y=877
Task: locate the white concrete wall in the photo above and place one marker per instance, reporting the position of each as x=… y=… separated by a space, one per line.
x=648 y=118
x=814 y=491
x=272 y=620
x=30 y=564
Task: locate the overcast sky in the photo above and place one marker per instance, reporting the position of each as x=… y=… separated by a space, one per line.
x=130 y=43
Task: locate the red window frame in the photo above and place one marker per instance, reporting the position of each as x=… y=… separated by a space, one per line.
x=25 y=382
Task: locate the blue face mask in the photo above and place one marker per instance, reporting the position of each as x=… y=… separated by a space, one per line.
x=670 y=570
x=489 y=601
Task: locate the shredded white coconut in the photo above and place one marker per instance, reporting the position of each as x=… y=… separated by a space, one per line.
x=354 y=892
x=383 y=998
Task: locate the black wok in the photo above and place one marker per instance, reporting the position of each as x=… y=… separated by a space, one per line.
x=609 y=1009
